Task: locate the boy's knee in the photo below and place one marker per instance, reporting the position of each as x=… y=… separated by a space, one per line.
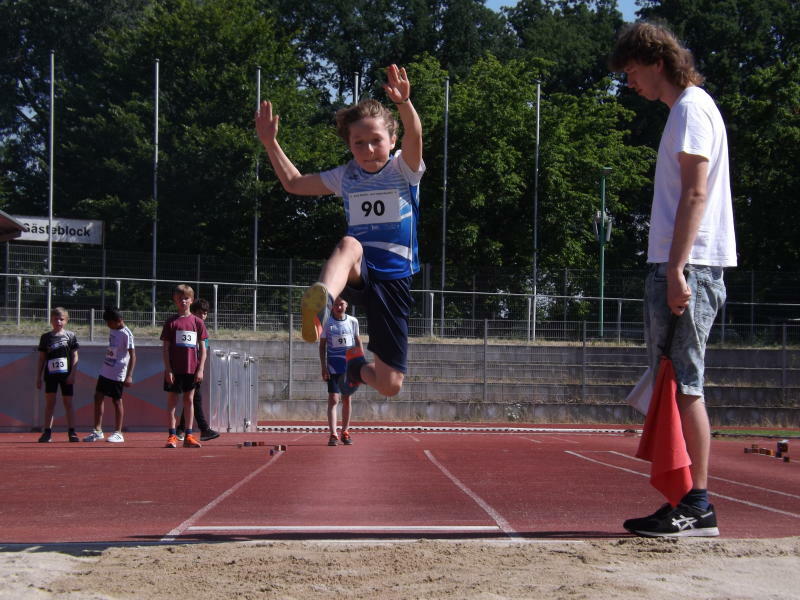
x=392 y=385
x=351 y=245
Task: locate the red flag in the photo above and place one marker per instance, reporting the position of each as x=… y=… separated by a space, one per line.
x=662 y=440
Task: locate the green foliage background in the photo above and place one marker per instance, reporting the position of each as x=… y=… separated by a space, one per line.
x=308 y=53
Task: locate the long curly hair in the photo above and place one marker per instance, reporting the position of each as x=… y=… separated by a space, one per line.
x=647 y=43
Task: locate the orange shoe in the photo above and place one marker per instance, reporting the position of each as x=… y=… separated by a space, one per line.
x=346 y=439
x=172 y=441
x=191 y=442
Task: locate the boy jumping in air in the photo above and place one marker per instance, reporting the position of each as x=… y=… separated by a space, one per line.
x=373 y=264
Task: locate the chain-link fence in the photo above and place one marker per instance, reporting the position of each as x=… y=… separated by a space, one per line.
x=563 y=309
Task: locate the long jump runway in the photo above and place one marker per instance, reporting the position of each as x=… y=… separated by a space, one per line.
x=516 y=485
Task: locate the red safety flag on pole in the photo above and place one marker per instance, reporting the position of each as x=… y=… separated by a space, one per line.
x=662 y=440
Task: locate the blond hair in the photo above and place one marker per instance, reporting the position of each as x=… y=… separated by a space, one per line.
x=345 y=117
x=183 y=290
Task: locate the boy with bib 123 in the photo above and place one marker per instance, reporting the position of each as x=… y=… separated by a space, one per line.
x=184 y=355
x=373 y=264
x=58 y=357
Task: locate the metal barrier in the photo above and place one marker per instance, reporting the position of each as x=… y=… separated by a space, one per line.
x=233 y=403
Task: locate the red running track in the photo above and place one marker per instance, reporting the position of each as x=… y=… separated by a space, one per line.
x=412 y=484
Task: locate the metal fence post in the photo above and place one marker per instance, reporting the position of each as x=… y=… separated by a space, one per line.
x=485 y=361
x=291 y=357
x=430 y=301
x=784 y=361
x=529 y=318
x=91 y=324
x=216 y=309
x=255 y=309
x=119 y=293
x=583 y=365
x=19 y=301
x=535 y=306
x=619 y=321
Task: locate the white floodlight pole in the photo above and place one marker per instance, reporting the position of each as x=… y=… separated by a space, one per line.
x=356 y=87
x=536 y=206
x=444 y=198
x=256 y=211
x=50 y=191
x=155 y=194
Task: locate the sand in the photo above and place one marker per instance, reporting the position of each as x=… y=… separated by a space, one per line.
x=626 y=568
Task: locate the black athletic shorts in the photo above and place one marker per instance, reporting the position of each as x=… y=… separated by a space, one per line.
x=53 y=382
x=388 y=307
x=183 y=383
x=109 y=387
x=335 y=381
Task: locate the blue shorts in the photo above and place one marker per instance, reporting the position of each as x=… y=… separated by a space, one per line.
x=692 y=329
x=387 y=303
x=335 y=383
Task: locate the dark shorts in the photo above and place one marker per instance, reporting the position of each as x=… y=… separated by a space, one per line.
x=109 y=387
x=335 y=381
x=388 y=307
x=183 y=383
x=53 y=382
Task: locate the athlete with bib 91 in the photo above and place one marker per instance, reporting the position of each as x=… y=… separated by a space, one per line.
x=373 y=264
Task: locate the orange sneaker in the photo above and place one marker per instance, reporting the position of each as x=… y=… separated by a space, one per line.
x=172 y=442
x=346 y=439
x=191 y=442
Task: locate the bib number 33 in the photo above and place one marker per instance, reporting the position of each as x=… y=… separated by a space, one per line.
x=186 y=339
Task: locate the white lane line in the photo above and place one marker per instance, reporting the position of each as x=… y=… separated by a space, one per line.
x=504 y=525
x=531 y=440
x=718 y=495
x=560 y=439
x=347 y=528
x=414 y=438
x=170 y=537
x=734 y=482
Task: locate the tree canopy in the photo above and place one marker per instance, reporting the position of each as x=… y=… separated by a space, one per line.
x=213 y=179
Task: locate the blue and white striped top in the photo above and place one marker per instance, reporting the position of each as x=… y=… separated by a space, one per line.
x=382 y=211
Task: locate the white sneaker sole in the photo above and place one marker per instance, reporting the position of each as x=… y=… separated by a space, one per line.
x=701 y=532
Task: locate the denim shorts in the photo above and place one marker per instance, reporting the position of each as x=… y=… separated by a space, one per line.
x=691 y=331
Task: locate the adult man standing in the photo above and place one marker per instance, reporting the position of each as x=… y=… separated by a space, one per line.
x=691 y=241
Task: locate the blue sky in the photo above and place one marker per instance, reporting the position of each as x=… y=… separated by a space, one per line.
x=626 y=7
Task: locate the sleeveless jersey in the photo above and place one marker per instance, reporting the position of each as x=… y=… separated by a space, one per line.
x=340 y=336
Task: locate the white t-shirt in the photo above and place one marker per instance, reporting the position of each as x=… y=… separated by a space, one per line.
x=694 y=126
x=115 y=364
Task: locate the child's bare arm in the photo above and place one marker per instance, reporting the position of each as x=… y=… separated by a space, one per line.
x=293 y=181
x=73 y=367
x=131 y=367
x=398 y=90
x=39 y=368
x=168 y=376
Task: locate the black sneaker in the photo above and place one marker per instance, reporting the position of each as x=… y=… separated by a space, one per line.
x=45 y=438
x=180 y=434
x=208 y=434
x=346 y=439
x=333 y=440
x=681 y=521
x=73 y=437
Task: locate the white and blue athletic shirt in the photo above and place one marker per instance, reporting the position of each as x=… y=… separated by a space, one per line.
x=340 y=336
x=382 y=211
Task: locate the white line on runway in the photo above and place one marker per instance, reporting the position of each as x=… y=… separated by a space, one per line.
x=504 y=525
x=348 y=528
x=718 y=495
x=188 y=522
x=734 y=482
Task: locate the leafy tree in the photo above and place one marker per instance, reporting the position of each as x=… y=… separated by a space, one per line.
x=574 y=36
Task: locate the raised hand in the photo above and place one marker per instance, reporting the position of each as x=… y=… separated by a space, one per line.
x=398 y=88
x=267 y=124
